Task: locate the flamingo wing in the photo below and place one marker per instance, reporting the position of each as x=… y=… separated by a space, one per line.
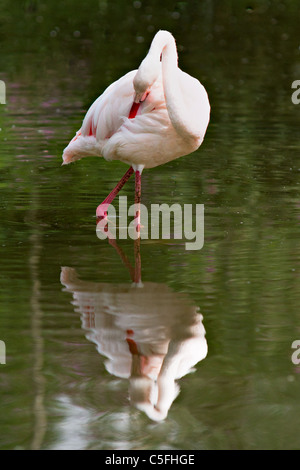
x=103 y=119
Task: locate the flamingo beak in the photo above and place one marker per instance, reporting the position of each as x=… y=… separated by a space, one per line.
x=140 y=97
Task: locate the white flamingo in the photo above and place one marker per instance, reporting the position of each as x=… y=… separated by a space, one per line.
x=147 y=118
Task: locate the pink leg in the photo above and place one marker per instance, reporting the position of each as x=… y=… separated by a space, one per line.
x=102 y=208
x=137 y=199
x=137 y=202
x=101 y=211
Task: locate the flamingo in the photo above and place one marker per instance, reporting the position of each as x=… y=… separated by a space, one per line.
x=149 y=334
x=148 y=117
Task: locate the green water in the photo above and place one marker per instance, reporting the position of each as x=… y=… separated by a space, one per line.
x=58 y=387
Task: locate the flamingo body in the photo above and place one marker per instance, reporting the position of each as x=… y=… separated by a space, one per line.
x=170 y=119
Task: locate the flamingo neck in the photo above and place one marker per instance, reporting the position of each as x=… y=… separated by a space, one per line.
x=163 y=42
x=162 y=58
x=164 y=47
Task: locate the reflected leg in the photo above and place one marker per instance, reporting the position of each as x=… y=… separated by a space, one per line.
x=137 y=262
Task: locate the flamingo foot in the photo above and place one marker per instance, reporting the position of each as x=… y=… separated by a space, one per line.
x=101 y=212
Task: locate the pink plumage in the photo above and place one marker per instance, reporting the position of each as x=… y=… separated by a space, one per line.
x=148 y=117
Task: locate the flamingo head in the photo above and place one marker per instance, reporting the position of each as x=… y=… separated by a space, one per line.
x=145 y=77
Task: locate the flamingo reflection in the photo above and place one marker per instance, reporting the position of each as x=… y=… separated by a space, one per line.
x=148 y=333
